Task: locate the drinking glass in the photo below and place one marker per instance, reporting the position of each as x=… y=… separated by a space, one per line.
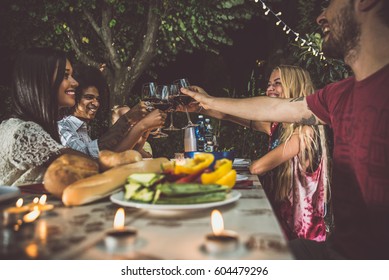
x=173 y=93
x=158 y=98
x=183 y=99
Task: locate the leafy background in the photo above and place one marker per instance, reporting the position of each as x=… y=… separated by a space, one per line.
x=229 y=47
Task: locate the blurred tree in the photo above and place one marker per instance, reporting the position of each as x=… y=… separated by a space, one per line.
x=125 y=38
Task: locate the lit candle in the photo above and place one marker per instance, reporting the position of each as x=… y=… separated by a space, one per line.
x=12 y=215
x=25 y=227
x=220 y=241
x=120 y=238
x=41 y=204
x=32 y=216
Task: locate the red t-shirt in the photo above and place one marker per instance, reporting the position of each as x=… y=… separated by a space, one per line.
x=358 y=113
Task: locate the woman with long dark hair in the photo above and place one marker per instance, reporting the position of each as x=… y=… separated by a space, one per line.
x=29 y=139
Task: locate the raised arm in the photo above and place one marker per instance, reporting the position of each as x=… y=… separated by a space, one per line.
x=258 y=108
x=153 y=120
x=255 y=125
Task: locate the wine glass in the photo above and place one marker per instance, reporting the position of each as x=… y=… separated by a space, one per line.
x=183 y=99
x=173 y=92
x=158 y=98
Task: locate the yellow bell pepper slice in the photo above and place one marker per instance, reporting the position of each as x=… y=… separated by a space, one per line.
x=222 y=167
x=199 y=162
x=228 y=180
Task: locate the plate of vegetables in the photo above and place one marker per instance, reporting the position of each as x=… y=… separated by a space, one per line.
x=118 y=198
x=181 y=187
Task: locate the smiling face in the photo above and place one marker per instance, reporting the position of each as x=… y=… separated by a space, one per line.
x=66 y=91
x=274 y=86
x=341 y=31
x=89 y=103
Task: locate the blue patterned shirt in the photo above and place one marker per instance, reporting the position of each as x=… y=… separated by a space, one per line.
x=74 y=134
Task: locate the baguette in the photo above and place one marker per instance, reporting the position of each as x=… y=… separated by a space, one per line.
x=109 y=159
x=67 y=169
x=101 y=185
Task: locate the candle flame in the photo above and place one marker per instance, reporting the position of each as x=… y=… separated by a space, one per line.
x=42 y=200
x=32 y=216
x=35 y=200
x=217 y=222
x=32 y=250
x=19 y=203
x=118 y=222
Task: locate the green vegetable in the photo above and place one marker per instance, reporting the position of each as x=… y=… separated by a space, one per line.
x=130 y=189
x=146 y=188
x=145 y=179
x=143 y=195
x=171 y=189
x=192 y=199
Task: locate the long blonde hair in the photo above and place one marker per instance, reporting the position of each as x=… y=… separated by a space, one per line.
x=296 y=82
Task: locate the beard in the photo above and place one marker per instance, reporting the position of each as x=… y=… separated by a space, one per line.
x=344 y=36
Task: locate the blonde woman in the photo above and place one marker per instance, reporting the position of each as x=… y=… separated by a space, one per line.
x=298 y=163
x=296 y=172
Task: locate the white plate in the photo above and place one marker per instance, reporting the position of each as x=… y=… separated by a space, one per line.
x=118 y=198
x=241 y=177
x=8 y=192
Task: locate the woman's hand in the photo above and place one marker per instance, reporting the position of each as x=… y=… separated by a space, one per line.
x=199 y=94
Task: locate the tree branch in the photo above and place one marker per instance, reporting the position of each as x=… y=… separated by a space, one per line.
x=82 y=56
x=107 y=36
x=104 y=33
x=146 y=53
x=92 y=22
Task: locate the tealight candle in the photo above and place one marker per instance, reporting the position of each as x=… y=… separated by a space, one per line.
x=120 y=238
x=41 y=204
x=12 y=215
x=220 y=241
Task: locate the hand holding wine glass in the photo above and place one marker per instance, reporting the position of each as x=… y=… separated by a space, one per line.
x=173 y=93
x=157 y=97
x=184 y=100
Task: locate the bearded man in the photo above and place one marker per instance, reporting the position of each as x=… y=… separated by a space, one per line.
x=357 y=109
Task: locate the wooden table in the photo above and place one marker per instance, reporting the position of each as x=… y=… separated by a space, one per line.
x=79 y=232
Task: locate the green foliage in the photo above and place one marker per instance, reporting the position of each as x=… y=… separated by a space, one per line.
x=323 y=70
x=183 y=26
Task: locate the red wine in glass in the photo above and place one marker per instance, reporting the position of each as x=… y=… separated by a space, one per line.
x=162 y=105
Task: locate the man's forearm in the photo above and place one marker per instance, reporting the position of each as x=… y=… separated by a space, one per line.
x=114 y=135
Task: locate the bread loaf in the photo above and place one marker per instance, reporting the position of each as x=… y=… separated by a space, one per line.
x=101 y=185
x=109 y=159
x=67 y=169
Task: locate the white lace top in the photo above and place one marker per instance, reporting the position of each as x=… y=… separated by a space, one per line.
x=25 y=147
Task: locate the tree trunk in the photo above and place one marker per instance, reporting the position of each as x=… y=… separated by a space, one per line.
x=123 y=79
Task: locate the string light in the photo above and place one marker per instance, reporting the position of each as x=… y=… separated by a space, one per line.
x=287 y=30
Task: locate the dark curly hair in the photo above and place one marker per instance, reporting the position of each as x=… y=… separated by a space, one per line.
x=89 y=76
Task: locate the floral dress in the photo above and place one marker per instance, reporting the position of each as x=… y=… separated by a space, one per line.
x=301 y=215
